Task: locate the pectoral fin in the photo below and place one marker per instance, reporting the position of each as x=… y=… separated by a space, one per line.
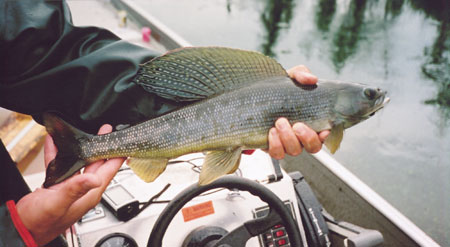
x=147 y=169
x=219 y=163
x=333 y=141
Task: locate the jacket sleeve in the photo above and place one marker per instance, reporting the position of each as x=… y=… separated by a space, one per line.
x=82 y=73
x=8 y=233
x=12 y=188
x=12 y=230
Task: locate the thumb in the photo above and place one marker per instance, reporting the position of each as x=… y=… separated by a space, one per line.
x=74 y=188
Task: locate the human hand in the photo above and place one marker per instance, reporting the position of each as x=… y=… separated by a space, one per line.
x=287 y=139
x=46 y=213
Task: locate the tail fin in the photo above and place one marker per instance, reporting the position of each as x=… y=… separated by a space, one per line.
x=67 y=141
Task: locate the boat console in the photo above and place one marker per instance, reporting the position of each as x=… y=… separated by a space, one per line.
x=259 y=205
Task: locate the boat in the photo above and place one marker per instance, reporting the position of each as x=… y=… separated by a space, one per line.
x=331 y=206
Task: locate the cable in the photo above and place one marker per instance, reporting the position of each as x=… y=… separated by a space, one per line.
x=155 y=202
x=212 y=192
x=196 y=168
x=151 y=200
x=71 y=236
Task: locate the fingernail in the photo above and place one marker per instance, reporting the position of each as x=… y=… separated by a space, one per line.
x=311 y=77
x=282 y=124
x=273 y=132
x=323 y=135
x=299 y=129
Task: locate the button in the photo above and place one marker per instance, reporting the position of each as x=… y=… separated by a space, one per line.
x=277 y=226
x=280 y=233
x=282 y=242
x=268 y=236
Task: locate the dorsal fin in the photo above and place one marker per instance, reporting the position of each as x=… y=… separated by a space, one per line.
x=195 y=73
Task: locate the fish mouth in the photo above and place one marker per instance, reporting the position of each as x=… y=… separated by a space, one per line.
x=379 y=104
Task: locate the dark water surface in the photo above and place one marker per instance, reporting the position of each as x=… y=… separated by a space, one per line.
x=402 y=46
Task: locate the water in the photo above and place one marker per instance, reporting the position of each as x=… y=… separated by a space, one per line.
x=402 y=46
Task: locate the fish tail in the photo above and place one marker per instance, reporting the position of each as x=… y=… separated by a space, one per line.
x=67 y=141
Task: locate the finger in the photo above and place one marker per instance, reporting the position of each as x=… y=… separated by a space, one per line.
x=105 y=173
x=74 y=188
x=105 y=129
x=50 y=150
x=91 y=168
x=287 y=136
x=104 y=170
x=62 y=183
x=276 y=149
x=301 y=68
x=305 y=78
x=108 y=170
x=323 y=135
x=308 y=137
x=302 y=75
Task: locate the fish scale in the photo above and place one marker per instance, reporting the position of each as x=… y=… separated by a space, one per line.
x=235 y=98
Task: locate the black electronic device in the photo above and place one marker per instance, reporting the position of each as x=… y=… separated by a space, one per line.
x=277 y=235
x=120 y=202
x=314 y=224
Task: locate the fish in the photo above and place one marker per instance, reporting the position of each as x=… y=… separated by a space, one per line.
x=233 y=99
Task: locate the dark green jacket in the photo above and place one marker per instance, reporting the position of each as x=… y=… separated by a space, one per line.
x=81 y=73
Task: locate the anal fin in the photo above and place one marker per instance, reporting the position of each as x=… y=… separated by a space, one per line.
x=334 y=140
x=147 y=169
x=219 y=163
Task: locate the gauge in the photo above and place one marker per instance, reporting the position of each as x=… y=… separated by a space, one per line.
x=116 y=240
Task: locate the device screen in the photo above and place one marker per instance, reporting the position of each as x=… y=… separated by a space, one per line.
x=118 y=195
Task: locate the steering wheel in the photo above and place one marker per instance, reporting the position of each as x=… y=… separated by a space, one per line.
x=278 y=213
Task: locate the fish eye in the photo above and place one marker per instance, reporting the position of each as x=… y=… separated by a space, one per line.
x=370 y=93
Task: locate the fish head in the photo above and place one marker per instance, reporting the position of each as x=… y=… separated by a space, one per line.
x=357 y=102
